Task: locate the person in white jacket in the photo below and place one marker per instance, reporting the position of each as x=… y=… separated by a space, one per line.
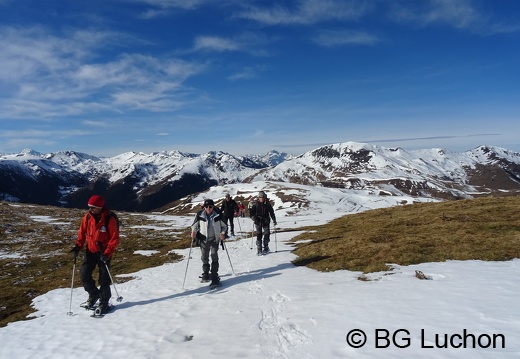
x=207 y=231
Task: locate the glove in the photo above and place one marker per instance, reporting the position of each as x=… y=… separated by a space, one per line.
x=104 y=258
x=75 y=250
x=195 y=242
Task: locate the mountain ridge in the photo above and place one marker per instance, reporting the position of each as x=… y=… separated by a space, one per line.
x=136 y=181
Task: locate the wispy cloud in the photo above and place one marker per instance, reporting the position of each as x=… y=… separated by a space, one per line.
x=161 y=8
x=248 y=42
x=306 y=12
x=98 y=124
x=215 y=43
x=44 y=75
x=164 y=4
x=461 y=14
x=332 y=38
x=31 y=138
x=247 y=73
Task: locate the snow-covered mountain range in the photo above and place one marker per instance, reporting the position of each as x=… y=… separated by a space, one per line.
x=135 y=181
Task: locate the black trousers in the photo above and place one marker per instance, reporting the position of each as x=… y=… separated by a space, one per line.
x=263 y=233
x=87 y=269
x=231 y=224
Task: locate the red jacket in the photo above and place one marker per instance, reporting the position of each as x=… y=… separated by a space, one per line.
x=96 y=233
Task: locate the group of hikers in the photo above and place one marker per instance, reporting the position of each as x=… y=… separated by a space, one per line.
x=99 y=234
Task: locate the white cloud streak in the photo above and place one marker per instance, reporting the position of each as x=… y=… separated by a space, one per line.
x=332 y=38
x=461 y=14
x=215 y=43
x=45 y=75
x=306 y=12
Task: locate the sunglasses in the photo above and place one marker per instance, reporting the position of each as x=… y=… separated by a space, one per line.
x=93 y=207
x=208 y=206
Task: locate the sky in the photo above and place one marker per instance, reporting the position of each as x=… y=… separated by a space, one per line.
x=106 y=77
x=268 y=308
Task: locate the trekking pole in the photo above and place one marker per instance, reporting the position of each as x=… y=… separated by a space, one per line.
x=275 y=240
x=252 y=235
x=239 y=227
x=225 y=248
x=72 y=285
x=119 y=298
x=187 y=264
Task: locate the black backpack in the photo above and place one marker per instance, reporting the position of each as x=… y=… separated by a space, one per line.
x=109 y=215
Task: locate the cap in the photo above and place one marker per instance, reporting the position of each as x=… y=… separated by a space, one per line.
x=208 y=202
x=96 y=201
x=261 y=194
x=228 y=196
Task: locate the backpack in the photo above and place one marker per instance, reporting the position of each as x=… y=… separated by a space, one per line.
x=109 y=215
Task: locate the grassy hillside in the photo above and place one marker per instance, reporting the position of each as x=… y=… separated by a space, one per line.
x=485 y=228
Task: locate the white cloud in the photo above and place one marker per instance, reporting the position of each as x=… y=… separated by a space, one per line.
x=31 y=138
x=99 y=124
x=458 y=13
x=166 y=4
x=246 y=74
x=161 y=8
x=44 y=75
x=215 y=43
x=307 y=12
x=461 y=14
x=331 y=38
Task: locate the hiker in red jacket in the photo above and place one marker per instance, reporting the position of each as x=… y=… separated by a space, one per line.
x=99 y=228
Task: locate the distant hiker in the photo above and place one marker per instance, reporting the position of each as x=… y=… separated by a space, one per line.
x=241 y=210
x=228 y=209
x=260 y=212
x=99 y=228
x=208 y=230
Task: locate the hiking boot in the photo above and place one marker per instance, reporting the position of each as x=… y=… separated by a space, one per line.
x=232 y=233
x=102 y=308
x=259 y=250
x=266 y=250
x=91 y=301
x=215 y=281
x=205 y=277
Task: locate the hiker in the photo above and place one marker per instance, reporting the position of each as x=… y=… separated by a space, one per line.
x=99 y=228
x=208 y=230
x=228 y=209
x=241 y=210
x=260 y=212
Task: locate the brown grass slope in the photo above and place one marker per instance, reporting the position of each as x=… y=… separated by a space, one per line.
x=482 y=229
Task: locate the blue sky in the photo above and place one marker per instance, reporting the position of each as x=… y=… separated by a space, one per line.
x=243 y=76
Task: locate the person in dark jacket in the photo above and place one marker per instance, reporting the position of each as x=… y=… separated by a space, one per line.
x=100 y=230
x=228 y=208
x=261 y=213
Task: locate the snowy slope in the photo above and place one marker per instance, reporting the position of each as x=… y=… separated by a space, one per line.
x=271 y=309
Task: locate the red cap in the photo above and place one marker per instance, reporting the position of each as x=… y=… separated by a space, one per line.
x=96 y=201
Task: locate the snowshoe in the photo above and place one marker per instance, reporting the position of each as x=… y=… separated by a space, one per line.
x=101 y=310
x=91 y=301
x=215 y=282
x=204 y=277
